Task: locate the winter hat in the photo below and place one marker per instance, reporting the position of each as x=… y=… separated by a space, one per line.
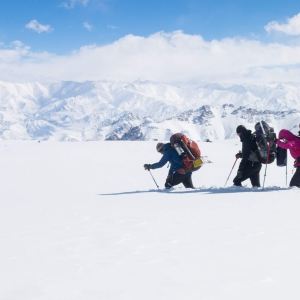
x=240 y=128
x=159 y=147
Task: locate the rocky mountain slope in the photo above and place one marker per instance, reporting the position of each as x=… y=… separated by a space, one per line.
x=142 y=110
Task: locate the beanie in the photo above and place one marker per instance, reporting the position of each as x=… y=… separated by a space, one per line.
x=240 y=128
x=159 y=147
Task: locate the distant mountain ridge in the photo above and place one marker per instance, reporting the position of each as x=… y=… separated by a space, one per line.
x=142 y=110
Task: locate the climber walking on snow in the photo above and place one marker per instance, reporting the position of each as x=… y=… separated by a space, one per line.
x=170 y=155
x=291 y=142
x=250 y=166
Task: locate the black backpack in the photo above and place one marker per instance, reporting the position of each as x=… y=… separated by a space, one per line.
x=266 y=147
x=281 y=157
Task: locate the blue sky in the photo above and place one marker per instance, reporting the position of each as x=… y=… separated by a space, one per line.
x=82 y=22
x=46 y=32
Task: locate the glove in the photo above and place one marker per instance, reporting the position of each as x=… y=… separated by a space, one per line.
x=239 y=174
x=147 y=167
x=239 y=155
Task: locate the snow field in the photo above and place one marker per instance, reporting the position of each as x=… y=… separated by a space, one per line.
x=84 y=221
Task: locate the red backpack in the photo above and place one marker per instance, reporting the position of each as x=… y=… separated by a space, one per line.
x=188 y=150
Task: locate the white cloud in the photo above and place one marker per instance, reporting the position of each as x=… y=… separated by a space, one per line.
x=71 y=4
x=111 y=27
x=291 y=27
x=37 y=27
x=14 y=53
x=174 y=56
x=87 y=26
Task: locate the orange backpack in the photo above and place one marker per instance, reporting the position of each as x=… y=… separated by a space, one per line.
x=188 y=150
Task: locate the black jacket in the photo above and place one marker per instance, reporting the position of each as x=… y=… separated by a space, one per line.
x=248 y=145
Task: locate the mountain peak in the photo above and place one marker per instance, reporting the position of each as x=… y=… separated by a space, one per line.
x=140 y=110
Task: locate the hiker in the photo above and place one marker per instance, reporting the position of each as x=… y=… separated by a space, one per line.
x=292 y=143
x=170 y=155
x=249 y=167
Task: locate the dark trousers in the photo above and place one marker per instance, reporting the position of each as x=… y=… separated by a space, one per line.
x=295 y=181
x=251 y=171
x=176 y=178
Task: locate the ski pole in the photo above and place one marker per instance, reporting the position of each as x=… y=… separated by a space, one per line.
x=286 y=171
x=262 y=128
x=265 y=177
x=286 y=175
x=153 y=179
x=267 y=160
x=231 y=171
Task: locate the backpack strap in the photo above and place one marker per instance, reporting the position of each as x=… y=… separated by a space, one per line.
x=253 y=156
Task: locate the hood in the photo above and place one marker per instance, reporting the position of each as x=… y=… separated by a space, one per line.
x=245 y=134
x=286 y=134
x=166 y=147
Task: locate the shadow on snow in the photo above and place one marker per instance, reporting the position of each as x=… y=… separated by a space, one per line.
x=202 y=190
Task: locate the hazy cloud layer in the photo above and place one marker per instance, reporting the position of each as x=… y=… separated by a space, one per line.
x=87 y=26
x=160 y=57
x=291 y=27
x=71 y=4
x=37 y=27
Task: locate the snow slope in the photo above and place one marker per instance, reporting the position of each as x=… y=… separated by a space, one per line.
x=84 y=221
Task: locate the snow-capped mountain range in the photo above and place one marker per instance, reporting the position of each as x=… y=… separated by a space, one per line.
x=142 y=110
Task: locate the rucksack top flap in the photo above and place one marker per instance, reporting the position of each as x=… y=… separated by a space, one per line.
x=263 y=129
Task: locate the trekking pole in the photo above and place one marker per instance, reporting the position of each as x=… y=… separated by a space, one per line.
x=267 y=160
x=286 y=170
x=231 y=171
x=262 y=128
x=153 y=179
x=265 y=177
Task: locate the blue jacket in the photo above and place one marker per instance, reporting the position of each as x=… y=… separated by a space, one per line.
x=169 y=155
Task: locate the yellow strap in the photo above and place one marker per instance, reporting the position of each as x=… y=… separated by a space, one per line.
x=198 y=162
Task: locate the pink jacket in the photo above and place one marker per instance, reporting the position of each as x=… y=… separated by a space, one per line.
x=292 y=143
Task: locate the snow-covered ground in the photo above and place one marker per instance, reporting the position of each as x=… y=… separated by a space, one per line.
x=85 y=221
